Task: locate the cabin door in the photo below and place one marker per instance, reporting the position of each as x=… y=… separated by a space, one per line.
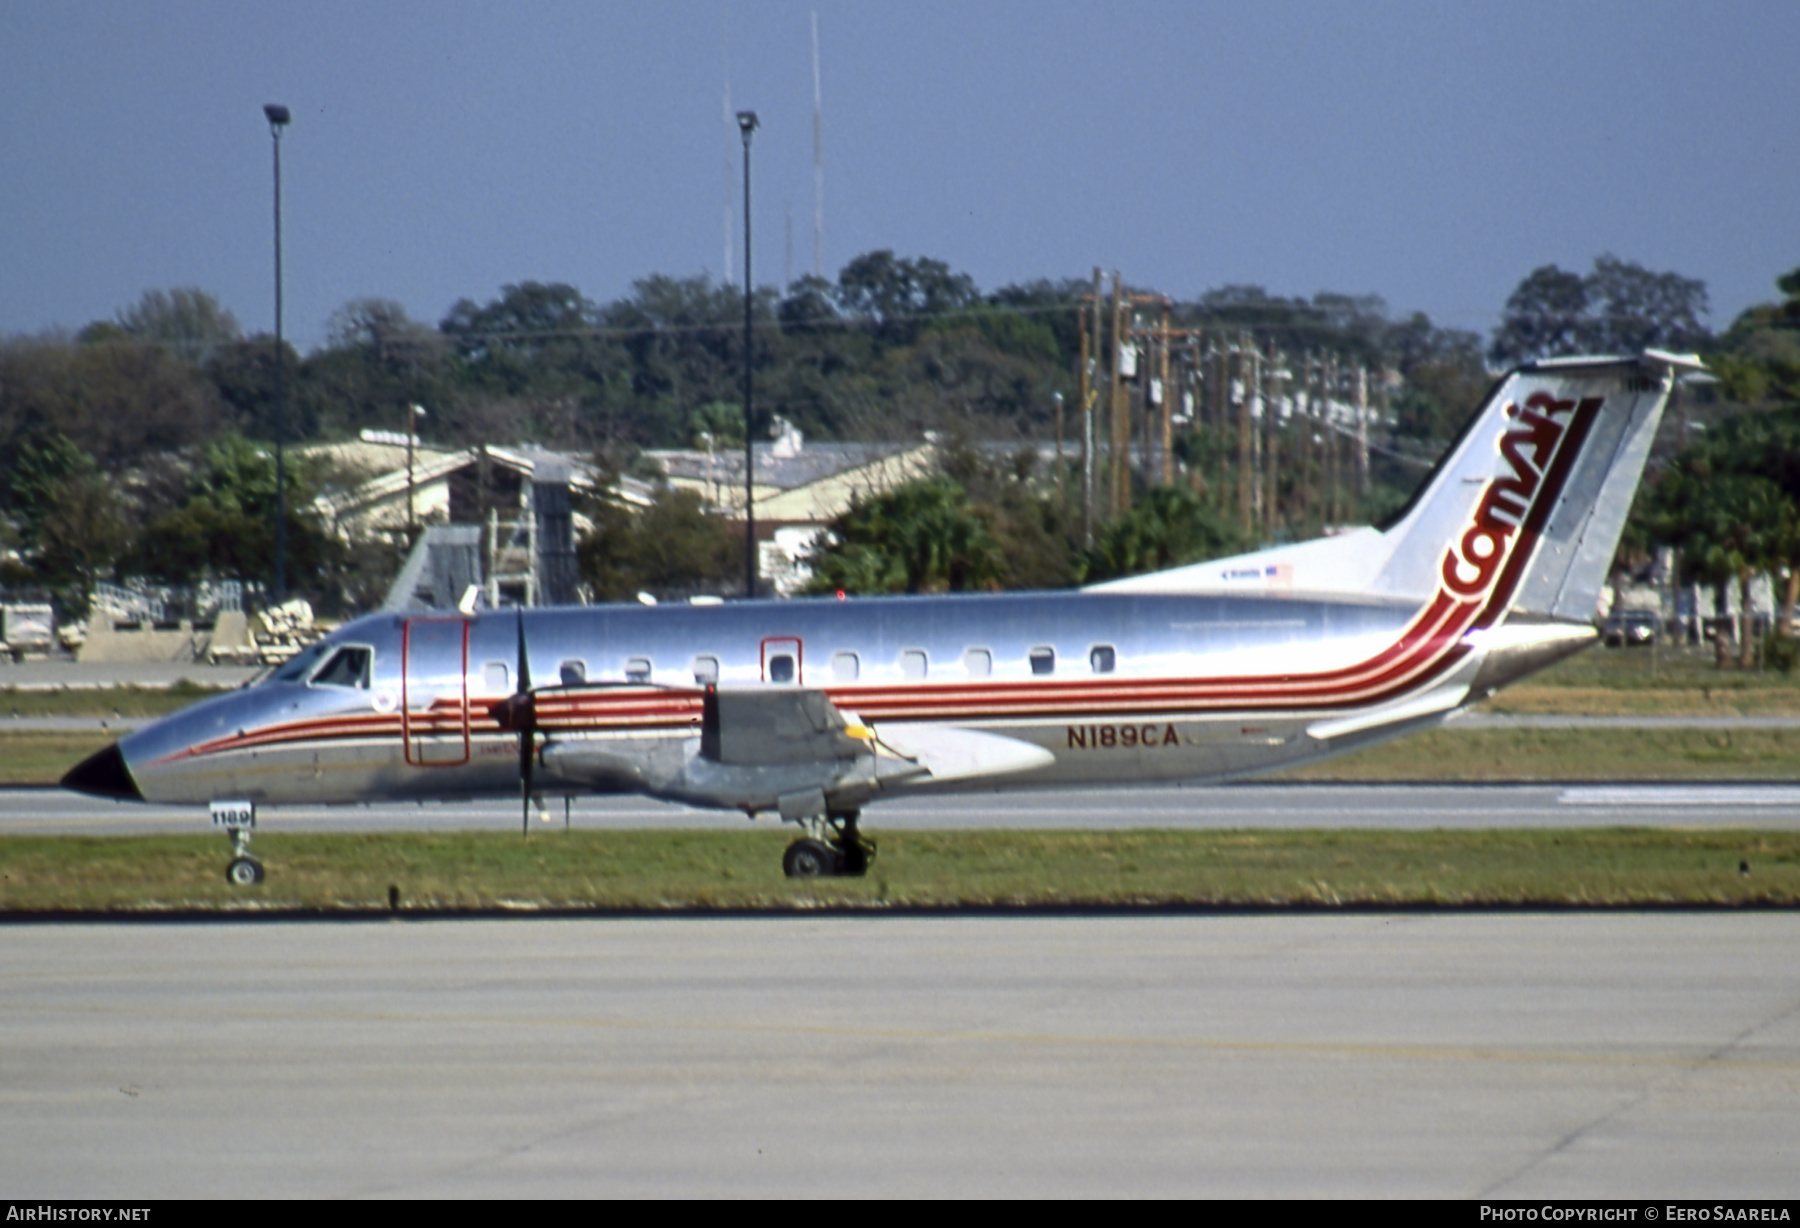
x=434 y=691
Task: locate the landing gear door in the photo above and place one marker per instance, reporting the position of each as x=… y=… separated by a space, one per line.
x=434 y=691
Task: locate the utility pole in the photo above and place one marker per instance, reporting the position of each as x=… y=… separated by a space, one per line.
x=1085 y=393
x=1362 y=431
x=1272 y=396
x=1333 y=448
x=746 y=125
x=1168 y=428
x=1121 y=416
x=1307 y=404
x=1093 y=473
x=1191 y=381
x=1246 y=460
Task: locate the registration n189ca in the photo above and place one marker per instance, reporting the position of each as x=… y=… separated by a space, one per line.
x=813 y=710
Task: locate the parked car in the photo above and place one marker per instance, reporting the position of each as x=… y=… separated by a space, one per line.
x=1629 y=628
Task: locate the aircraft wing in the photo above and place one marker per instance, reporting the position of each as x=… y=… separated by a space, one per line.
x=947 y=752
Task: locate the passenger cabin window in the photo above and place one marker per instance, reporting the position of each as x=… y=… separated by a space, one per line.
x=1043 y=660
x=979 y=662
x=574 y=673
x=349 y=668
x=845 y=666
x=706 y=669
x=493 y=678
x=637 y=669
x=781 y=668
x=913 y=663
x=1102 y=658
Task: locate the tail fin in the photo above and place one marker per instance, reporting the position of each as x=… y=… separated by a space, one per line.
x=1526 y=512
x=1523 y=513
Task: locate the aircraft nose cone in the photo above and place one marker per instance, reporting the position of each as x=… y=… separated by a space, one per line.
x=104 y=774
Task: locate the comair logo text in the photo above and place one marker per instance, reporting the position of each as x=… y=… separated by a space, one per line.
x=1529 y=447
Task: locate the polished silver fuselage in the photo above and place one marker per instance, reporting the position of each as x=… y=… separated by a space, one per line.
x=421 y=727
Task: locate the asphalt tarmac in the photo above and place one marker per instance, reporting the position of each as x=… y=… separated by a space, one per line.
x=1506 y=1055
x=1257 y=805
x=1532 y=1056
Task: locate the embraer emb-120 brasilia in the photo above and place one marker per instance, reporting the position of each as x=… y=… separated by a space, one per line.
x=814 y=709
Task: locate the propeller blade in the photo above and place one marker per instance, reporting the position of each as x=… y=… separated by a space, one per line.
x=522 y=712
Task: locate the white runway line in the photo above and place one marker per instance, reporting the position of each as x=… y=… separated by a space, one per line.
x=1681 y=795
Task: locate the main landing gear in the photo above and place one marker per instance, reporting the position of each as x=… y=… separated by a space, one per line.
x=832 y=848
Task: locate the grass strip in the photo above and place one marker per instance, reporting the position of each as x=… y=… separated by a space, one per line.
x=1491 y=755
x=37 y=758
x=104 y=702
x=654 y=871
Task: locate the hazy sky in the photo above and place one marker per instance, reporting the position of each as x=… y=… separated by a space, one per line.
x=1431 y=153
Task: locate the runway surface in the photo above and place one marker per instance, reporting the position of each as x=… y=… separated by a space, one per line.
x=1514 y=1056
x=1772 y=806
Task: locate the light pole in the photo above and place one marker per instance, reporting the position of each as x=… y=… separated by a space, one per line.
x=413 y=414
x=746 y=125
x=278 y=118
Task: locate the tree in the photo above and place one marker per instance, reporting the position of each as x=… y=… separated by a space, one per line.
x=1442 y=378
x=673 y=548
x=376 y=362
x=122 y=399
x=893 y=294
x=1619 y=308
x=1169 y=527
x=527 y=320
x=1545 y=316
x=243 y=373
x=226 y=526
x=74 y=520
x=86 y=530
x=1729 y=504
x=539 y=348
x=1635 y=309
x=808 y=306
x=922 y=537
x=1758 y=358
x=42 y=466
x=188 y=320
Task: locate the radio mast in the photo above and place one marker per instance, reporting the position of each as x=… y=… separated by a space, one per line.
x=818 y=159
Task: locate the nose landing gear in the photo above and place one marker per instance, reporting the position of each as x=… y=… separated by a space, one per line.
x=238 y=820
x=832 y=848
x=244 y=870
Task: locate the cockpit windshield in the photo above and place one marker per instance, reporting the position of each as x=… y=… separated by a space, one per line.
x=349 y=668
x=301 y=664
